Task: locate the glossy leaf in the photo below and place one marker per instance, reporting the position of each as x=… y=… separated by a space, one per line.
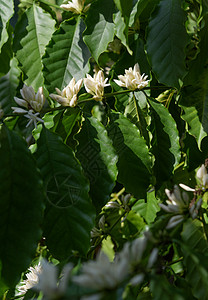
x=166 y=42
x=39 y=30
x=8 y=85
x=100 y=27
x=66 y=55
x=21 y=206
x=69 y=213
x=6 y=12
x=98 y=159
x=134 y=161
x=124 y=6
x=165 y=142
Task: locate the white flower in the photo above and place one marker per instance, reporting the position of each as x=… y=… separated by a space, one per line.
x=76 y=6
x=33 y=118
x=95 y=85
x=132 y=79
x=31 y=99
x=48 y=280
x=68 y=96
x=102 y=274
x=176 y=203
x=202 y=175
x=32 y=279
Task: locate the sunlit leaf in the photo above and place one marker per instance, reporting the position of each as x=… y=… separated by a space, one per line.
x=66 y=55
x=39 y=30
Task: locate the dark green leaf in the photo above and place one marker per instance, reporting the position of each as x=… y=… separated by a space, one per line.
x=66 y=55
x=21 y=206
x=165 y=142
x=69 y=212
x=134 y=161
x=194 y=101
x=98 y=158
x=166 y=42
x=8 y=85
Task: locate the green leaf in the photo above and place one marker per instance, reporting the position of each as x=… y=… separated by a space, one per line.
x=147 y=209
x=66 y=55
x=194 y=101
x=134 y=161
x=162 y=290
x=8 y=86
x=135 y=112
x=6 y=12
x=194 y=236
x=21 y=206
x=121 y=30
x=69 y=212
x=6 y=54
x=165 y=142
x=39 y=30
x=198 y=66
x=124 y=6
x=195 y=248
x=166 y=42
x=100 y=27
x=98 y=159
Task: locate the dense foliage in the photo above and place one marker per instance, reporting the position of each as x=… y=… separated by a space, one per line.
x=104 y=113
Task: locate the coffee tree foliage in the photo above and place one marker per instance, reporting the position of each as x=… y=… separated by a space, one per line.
x=88 y=183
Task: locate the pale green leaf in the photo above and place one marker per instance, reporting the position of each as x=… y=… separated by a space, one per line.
x=39 y=30
x=166 y=42
x=6 y=12
x=100 y=27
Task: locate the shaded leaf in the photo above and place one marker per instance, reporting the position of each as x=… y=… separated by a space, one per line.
x=166 y=42
x=165 y=142
x=21 y=206
x=66 y=55
x=69 y=213
x=194 y=101
x=98 y=159
x=100 y=27
x=134 y=161
x=8 y=85
x=39 y=30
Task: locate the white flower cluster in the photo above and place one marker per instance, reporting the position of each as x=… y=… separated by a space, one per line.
x=76 y=6
x=177 y=204
x=132 y=79
x=44 y=277
x=32 y=103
